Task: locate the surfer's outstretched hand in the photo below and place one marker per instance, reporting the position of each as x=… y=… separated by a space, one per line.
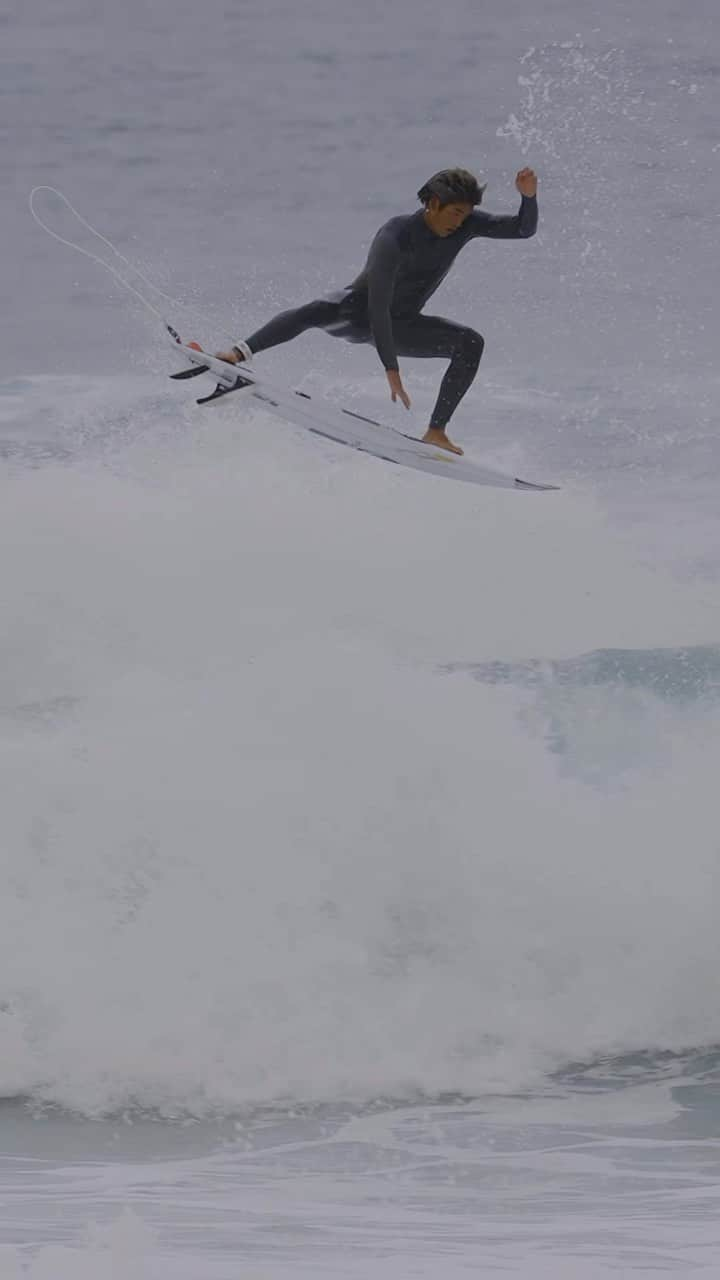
x=397 y=390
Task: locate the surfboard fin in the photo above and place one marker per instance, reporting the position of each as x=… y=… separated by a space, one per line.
x=220 y=390
x=190 y=373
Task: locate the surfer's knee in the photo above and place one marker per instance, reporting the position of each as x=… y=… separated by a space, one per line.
x=471 y=345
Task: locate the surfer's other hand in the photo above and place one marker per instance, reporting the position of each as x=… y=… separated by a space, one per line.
x=397 y=390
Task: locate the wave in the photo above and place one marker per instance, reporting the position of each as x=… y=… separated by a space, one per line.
x=260 y=842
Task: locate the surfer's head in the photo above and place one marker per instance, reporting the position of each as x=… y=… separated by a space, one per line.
x=449 y=198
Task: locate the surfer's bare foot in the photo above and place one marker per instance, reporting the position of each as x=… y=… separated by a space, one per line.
x=238 y=353
x=436 y=436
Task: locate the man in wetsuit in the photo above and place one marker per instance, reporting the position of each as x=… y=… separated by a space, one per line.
x=408 y=260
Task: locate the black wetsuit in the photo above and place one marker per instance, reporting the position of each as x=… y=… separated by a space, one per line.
x=407 y=262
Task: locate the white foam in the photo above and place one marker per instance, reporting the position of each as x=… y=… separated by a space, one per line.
x=257 y=845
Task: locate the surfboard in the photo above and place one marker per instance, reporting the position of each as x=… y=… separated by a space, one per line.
x=342 y=425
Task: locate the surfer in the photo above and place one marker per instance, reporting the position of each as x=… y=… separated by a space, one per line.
x=408 y=260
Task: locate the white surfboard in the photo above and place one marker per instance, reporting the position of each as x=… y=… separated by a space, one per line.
x=344 y=426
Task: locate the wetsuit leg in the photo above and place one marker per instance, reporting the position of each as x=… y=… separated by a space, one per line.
x=421 y=336
x=415 y=336
x=321 y=314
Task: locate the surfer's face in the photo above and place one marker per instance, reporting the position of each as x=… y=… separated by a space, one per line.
x=443 y=219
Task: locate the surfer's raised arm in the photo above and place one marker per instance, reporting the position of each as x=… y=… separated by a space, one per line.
x=519 y=226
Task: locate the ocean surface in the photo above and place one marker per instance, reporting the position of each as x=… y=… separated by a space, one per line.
x=359 y=849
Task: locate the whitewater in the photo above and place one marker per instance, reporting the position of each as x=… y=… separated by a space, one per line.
x=358 y=830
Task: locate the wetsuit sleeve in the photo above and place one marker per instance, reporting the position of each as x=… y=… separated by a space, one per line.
x=382 y=266
x=502 y=227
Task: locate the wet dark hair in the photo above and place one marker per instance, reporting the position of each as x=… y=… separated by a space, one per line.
x=452 y=186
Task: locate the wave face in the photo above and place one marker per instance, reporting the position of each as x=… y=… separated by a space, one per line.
x=288 y=812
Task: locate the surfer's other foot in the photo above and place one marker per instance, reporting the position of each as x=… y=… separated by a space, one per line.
x=230 y=357
x=435 y=436
x=237 y=354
